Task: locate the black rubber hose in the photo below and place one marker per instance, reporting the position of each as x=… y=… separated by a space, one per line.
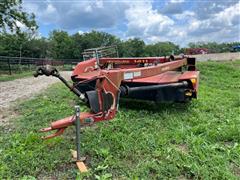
x=125 y=90
x=51 y=71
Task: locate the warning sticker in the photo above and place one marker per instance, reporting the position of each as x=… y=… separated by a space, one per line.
x=136 y=74
x=128 y=75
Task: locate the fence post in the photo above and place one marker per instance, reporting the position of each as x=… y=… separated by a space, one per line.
x=28 y=63
x=9 y=67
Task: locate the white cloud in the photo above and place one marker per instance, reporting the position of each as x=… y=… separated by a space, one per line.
x=20 y=25
x=185 y=15
x=88 y=8
x=81 y=32
x=229 y=15
x=177 y=1
x=220 y=26
x=179 y=21
x=50 y=9
x=71 y=15
x=45 y=12
x=99 y=4
x=144 y=21
x=225 y=19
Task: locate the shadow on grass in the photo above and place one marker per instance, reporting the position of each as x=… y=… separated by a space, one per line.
x=153 y=107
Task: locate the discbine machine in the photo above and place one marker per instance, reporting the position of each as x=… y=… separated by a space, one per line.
x=101 y=81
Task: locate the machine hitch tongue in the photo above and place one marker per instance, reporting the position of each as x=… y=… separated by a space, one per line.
x=57 y=133
x=59 y=126
x=62 y=124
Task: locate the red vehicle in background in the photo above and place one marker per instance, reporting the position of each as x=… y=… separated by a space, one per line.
x=194 y=51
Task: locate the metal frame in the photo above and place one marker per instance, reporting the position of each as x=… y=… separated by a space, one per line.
x=108 y=82
x=106 y=51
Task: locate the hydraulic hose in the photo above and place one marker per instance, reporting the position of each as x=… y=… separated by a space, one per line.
x=51 y=71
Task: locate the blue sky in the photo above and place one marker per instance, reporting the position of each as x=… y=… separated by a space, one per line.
x=179 y=21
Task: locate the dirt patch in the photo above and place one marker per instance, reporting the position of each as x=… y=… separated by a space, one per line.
x=182 y=148
x=182 y=177
x=19 y=89
x=235 y=169
x=5 y=115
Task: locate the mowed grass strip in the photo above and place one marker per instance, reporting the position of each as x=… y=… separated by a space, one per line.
x=26 y=72
x=197 y=140
x=7 y=77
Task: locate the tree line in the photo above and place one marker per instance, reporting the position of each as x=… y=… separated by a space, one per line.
x=61 y=45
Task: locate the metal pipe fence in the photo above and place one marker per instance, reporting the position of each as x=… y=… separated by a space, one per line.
x=10 y=65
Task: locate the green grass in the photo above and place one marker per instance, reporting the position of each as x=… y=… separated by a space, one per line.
x=198 y=140
x=16 y=74
x=7 y=77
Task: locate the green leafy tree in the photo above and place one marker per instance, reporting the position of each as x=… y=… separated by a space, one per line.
x=132 y=48
x=37 y=48
x=162 y=49
x=12 y=44
x=92 y=39
x=11 y=14
x=95 y=39
x=77 y=44
x=61 y=45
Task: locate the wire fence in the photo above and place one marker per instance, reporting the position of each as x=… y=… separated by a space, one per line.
x=12 y=65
